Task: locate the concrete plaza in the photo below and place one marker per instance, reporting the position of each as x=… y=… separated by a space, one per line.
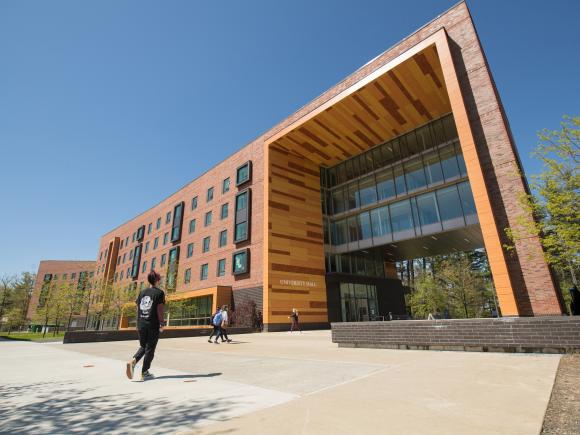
x=273 y=383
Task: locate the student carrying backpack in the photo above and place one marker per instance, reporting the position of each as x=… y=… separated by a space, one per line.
x=216 y=321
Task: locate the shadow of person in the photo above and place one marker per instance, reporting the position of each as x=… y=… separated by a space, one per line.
x=208 y=375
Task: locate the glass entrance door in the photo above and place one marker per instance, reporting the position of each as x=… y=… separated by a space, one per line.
x=358 y=302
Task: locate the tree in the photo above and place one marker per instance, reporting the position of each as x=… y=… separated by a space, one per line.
x=428 y=297
x=554 y=200
x=6 y=288
x=467 y=293
x=19 y=300
x=458 y=284
x=45 y=304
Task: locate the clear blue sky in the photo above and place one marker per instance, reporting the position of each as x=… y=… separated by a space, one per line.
x=106 y=107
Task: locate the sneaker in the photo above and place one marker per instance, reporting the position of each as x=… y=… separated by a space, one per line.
x=131 y=368
x=209 y=341
x=216 y=342
x=229 y=340
x=147 y=376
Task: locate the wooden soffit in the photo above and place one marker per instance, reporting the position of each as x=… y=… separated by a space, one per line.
x=391 y=101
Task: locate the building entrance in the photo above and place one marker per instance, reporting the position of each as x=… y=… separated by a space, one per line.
x=359 y=302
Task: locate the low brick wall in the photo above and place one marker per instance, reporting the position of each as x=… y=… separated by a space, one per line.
x=508 y=334
x=124 y=335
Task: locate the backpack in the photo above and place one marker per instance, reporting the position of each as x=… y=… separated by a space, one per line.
x=217 y=319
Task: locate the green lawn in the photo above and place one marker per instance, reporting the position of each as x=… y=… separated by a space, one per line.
x=32 y=336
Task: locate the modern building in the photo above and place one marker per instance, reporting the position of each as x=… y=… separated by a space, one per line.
x=58 y=275
x=409 y=156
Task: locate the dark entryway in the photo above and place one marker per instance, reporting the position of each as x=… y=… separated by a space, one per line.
x=353 y=298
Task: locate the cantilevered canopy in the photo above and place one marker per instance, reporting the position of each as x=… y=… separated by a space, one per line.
x=401 y=99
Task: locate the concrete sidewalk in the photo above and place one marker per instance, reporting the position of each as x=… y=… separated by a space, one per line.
x=270 y=383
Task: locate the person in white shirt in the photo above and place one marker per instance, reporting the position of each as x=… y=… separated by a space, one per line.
x=223 y=332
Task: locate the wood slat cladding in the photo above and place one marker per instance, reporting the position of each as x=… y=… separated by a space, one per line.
x=407 y=96
x=295 y=247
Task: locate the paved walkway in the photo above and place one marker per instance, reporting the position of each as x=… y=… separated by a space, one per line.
x=270 y=383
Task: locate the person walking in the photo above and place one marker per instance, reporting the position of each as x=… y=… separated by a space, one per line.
x=295 y=324
x=150 y=322
x=216 y=321
x=224 y=324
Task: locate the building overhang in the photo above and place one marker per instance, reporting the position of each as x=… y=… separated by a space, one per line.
x=396 y=98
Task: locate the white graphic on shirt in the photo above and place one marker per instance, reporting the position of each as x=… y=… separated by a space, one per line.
x=145 y=306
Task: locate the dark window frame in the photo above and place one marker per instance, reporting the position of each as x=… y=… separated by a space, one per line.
x=226 y=183
x=243 y=216
x=136 y=261
x=249 y=178
x=246 y=269
x=176 y=227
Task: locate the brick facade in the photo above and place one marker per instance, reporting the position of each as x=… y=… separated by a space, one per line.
x=59 y=268
x=212 y=178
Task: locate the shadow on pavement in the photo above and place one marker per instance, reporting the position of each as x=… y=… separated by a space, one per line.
x=59 y=408
x=209 y=375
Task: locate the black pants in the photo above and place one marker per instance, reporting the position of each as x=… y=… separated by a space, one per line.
x=215 y=332
x=223 y=333
x=148 y=338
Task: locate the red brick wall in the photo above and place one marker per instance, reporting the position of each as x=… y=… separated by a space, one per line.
x=214 y=177
x=58 y=267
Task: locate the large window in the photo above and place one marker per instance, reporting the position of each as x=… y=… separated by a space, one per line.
x=136 y=262
x=204 y=272
x=244 y=173
x=242 y=217
x=428 y=213
x=189 y=312
x=450 y=207
x=240 y=262
x=140 y=233
x=381 y=226
x=177 y=222
x=172 y=269
x=223 y=241
x=221 y=267
x=367 y=191
x=467 y=202
x=415 y=175
x=449 y=163
x=386 y=185
x=401 y=219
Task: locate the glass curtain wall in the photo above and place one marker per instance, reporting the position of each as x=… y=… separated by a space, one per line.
x=411 y=186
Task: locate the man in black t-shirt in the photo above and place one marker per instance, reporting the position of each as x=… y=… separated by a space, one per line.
x=150 y=314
